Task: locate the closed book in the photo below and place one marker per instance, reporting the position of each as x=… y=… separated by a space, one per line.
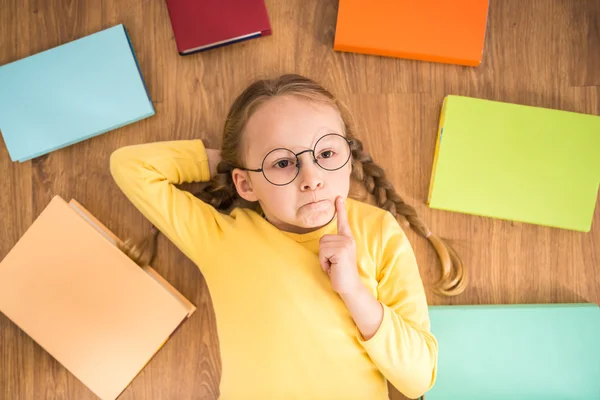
x=428 y=30
x=201 y=25
x=71 y=93
x=517 y=352
x=516 y=162
x=75 y=293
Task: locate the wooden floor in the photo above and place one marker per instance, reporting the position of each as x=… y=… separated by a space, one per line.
x=542 y=53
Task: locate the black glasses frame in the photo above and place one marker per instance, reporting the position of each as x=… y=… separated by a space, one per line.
x=312 y=151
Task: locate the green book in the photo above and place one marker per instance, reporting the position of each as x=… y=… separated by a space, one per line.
x=515 y=162
x=517 y=352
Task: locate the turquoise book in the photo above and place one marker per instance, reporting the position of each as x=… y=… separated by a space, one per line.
x=517 y=352
x=71 y=93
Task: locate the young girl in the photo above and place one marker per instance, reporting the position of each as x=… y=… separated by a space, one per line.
x=317 y=295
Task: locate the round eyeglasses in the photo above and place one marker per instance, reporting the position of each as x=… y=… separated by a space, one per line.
x=281 y=166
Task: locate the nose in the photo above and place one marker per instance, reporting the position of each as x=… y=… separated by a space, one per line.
x=310 y=175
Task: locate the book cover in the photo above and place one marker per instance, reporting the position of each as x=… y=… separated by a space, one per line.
x=201 y=25
x=516 y=162
x=71 y=93
x=519 y=351
x=428 y=30
x=85 y=302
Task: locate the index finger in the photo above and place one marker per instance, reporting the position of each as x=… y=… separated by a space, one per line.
x=342 y=218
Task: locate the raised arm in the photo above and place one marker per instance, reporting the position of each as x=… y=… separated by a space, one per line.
x=147 y=175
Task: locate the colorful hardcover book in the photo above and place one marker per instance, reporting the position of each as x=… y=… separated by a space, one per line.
x=201 y=25
x=515 y=162
x=428 y=30
x=73 y=291
x=517 y=352
x=71 y=93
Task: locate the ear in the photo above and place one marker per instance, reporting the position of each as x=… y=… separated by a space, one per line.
x=243 y=185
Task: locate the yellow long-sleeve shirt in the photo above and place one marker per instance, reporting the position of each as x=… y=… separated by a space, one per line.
x=283 y=332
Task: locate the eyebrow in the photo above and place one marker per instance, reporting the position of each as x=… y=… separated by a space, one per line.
x=324 y=131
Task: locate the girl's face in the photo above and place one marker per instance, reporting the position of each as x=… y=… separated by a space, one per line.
x=295 y=124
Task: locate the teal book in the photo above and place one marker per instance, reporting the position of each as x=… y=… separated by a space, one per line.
x=519 y=163
x=71 y=93
x=517 y=352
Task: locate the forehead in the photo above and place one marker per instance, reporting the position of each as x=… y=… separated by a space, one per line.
x=290 y=122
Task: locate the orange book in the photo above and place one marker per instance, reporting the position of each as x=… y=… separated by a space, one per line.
x=68 y=286
x=445 y=31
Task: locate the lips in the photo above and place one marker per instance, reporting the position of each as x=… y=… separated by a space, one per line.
x=316 y=205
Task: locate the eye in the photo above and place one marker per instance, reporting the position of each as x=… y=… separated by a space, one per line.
x=283 y=164
x=326 y=154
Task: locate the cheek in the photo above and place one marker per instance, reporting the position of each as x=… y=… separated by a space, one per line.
x=340 y=180
x=277 y=197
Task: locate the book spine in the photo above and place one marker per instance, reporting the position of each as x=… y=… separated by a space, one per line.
x=348 y=48
x=114 y=240
x=137 y=64
x=437 y=149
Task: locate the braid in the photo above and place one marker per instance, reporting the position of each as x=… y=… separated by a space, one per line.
x=377 y=189
x=142 y=253
x=219 y=192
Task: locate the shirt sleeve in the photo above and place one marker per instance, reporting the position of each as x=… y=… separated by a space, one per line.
x=403 y=347
x=147 y=175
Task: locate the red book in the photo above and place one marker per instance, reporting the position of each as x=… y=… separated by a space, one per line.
x=201 y=25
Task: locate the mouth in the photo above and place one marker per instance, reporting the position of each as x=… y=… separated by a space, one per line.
x=314 y=202
x=316 y=205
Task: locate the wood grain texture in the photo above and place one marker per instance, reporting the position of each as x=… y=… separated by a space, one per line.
x=541 y=53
